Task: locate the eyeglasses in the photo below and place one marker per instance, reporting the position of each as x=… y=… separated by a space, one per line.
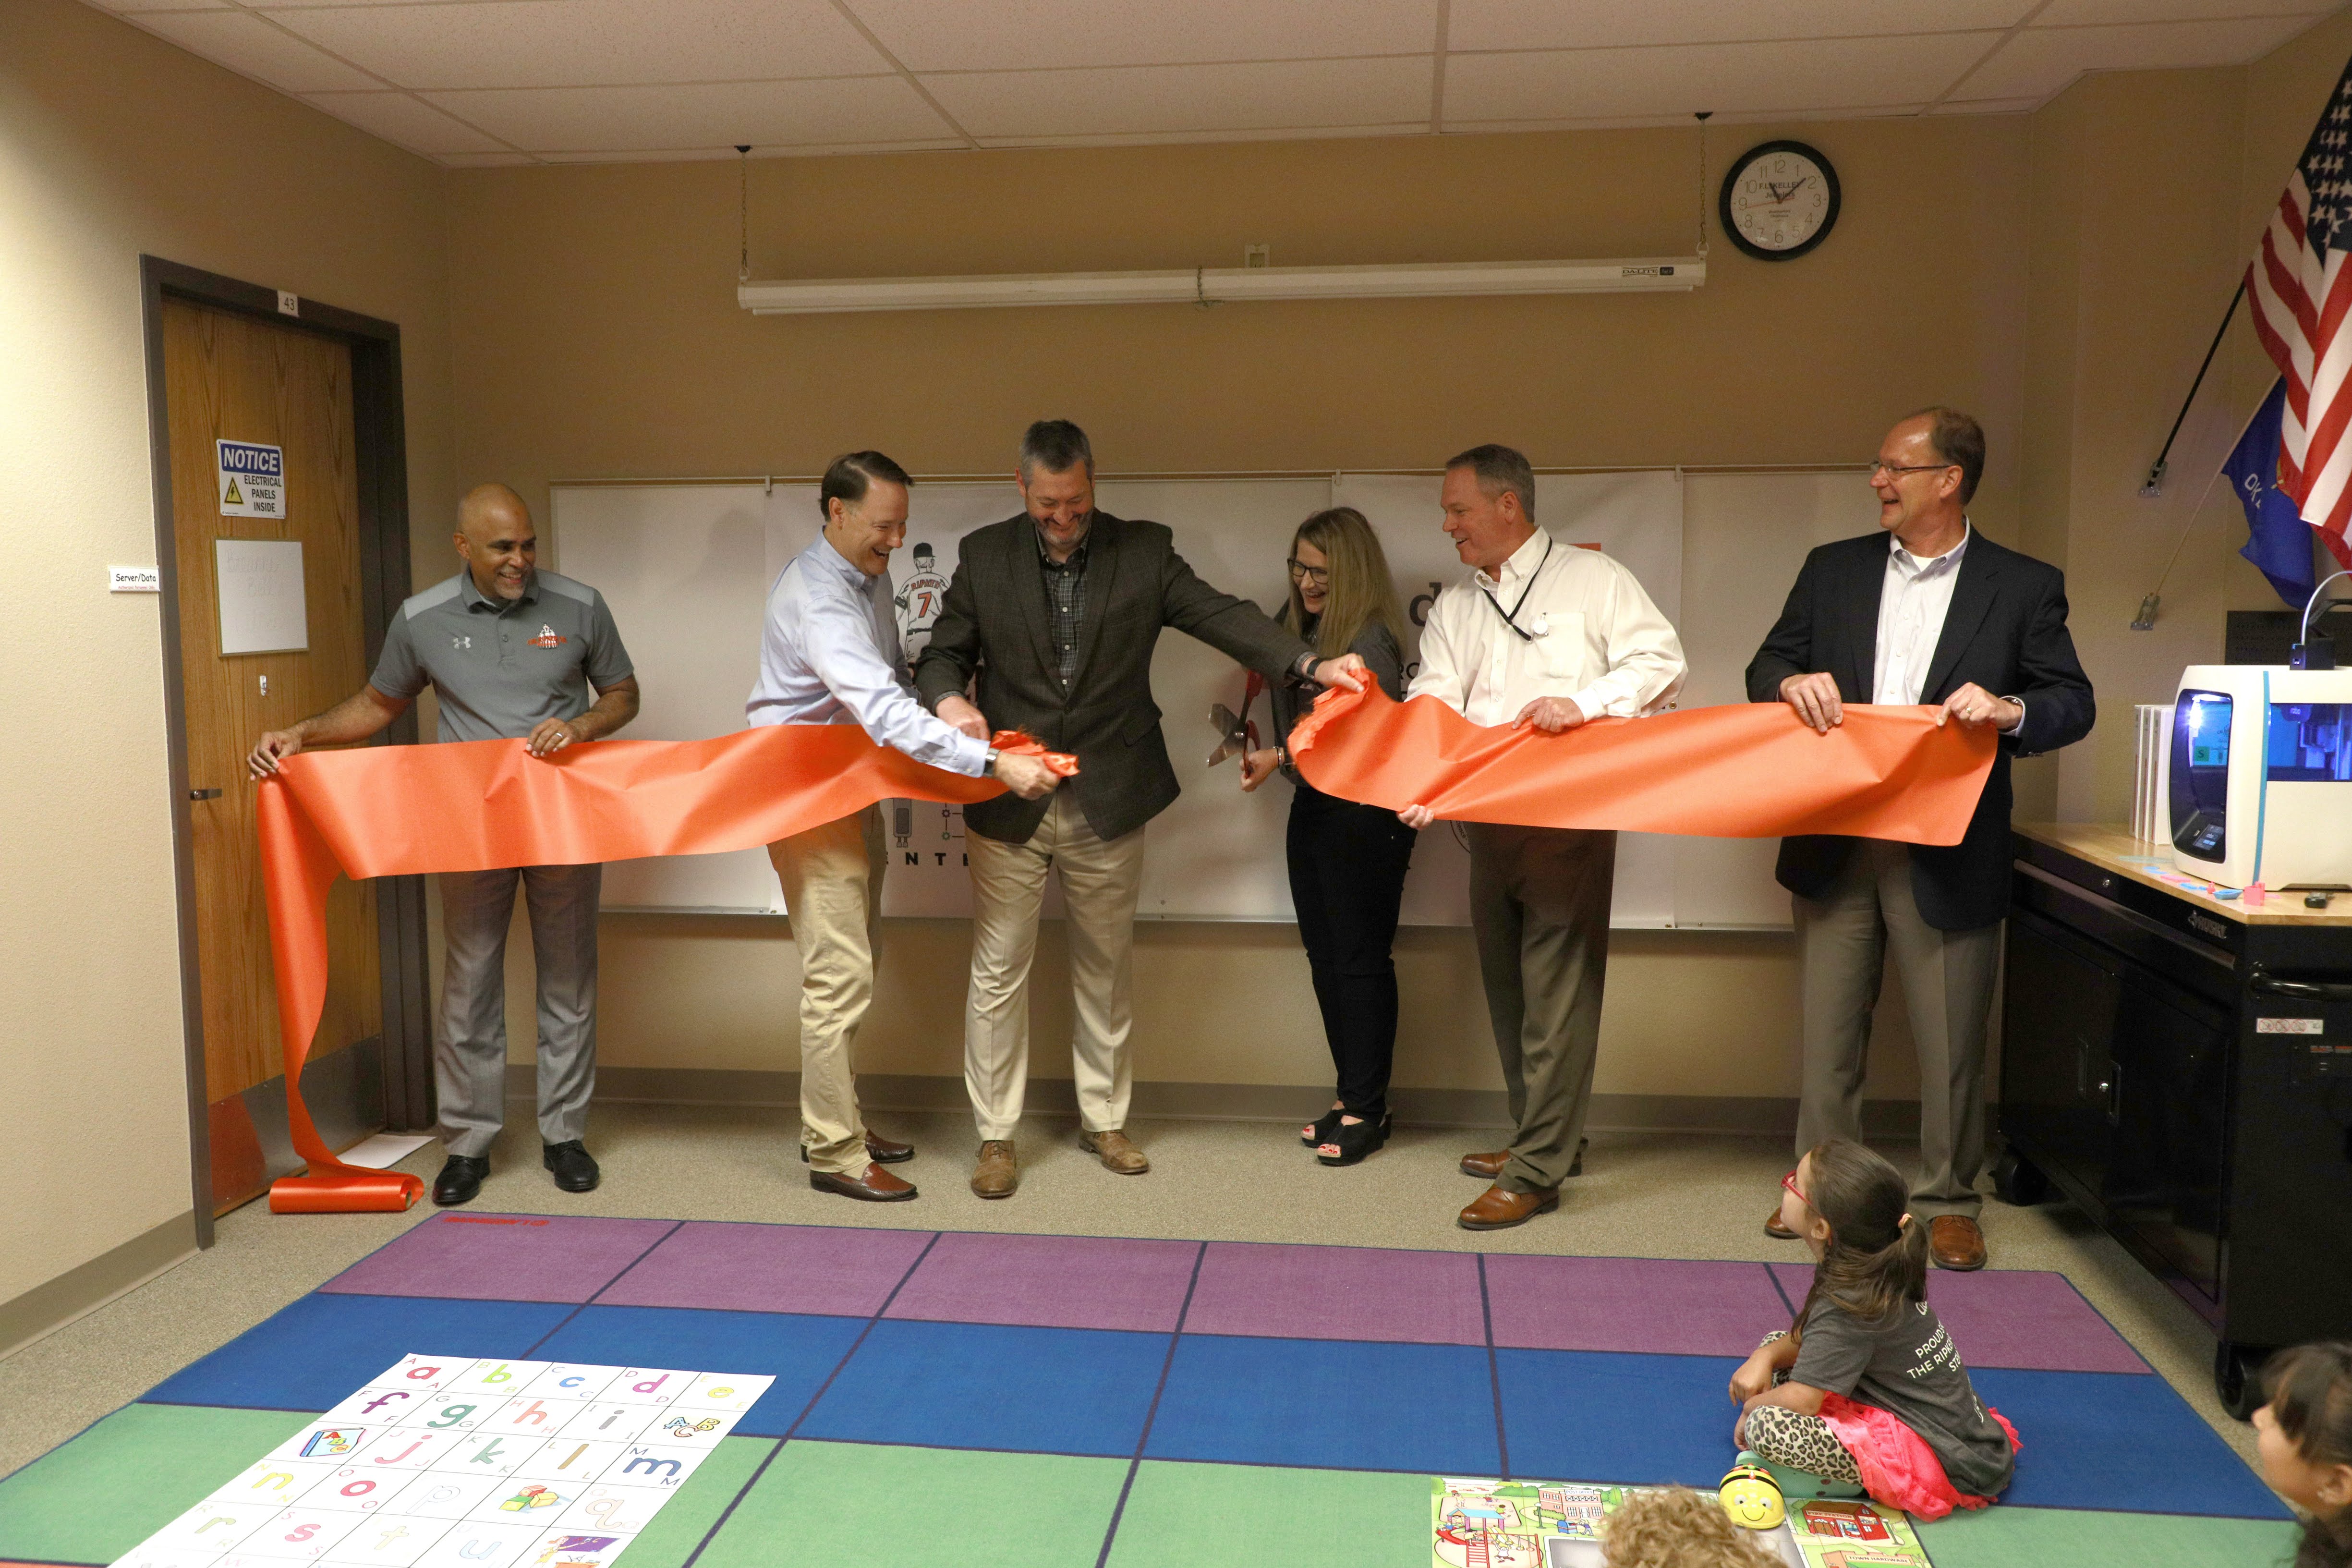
x=1878 y=467
x=1318 y=576
x=1790 y=1182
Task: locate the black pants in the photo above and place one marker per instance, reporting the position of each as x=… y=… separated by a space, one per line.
x=1347 y=876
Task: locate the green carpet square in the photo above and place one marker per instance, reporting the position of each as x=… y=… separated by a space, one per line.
x=95 y=1497
x=2001 y=1537
x=825 y=1504
x=1181 y=1515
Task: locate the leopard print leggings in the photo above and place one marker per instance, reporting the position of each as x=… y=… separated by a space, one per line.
x=1782 y=1436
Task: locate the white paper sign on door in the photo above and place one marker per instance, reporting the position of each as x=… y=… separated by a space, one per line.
x=261 y=604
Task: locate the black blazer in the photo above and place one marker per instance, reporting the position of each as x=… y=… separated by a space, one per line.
x=993 y=625
x=2006 y=631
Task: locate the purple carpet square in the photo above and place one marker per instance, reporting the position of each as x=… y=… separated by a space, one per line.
x=2013 y=1317
x=1338 y=1293
x=502 y=1258
x=1641 y=1305
x=737 y=1266
x=1051 y=1282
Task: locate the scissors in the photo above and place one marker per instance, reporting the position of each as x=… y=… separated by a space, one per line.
x=1237 y=734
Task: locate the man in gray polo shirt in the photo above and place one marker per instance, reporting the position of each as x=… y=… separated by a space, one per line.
x=511 y=652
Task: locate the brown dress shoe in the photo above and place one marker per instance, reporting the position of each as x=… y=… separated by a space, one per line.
x=876 y=1185
x=1489 y=1165
x=1117 y=1152
x=1956 y=1243
x=998 y=1174
x=879 y=1149
x=1775 y=1229
x=1499 y=1208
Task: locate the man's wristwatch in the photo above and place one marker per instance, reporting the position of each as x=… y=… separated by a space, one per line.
x=988 y=769
x=1305 y=669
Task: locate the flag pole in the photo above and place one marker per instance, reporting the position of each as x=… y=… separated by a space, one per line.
x=2154 y=485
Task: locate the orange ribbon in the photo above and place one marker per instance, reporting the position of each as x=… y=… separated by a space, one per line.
x=475 y=805
x=1751 y=770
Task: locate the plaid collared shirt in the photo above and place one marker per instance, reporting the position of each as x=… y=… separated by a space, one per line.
x=1065 y=604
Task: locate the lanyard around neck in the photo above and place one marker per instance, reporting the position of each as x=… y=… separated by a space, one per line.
x=1511 y=615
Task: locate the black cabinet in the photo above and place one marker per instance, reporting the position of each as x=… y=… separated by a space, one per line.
x=2185 y=1080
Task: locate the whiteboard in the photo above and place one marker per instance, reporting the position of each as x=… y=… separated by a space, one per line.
x=686 y=569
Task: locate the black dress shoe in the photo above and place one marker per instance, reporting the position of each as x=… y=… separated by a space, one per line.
x=460 y=1181
x=576 y=1171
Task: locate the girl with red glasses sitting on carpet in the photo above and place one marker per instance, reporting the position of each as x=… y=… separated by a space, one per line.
x=1866 y=1389
x=2305 y=1437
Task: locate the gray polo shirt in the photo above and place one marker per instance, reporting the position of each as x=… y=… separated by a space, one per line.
x=502 y=668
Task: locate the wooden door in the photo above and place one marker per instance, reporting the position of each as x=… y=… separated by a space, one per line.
x=232 y=377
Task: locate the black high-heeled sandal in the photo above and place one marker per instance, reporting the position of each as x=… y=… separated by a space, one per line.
x=1350 y=1143
x=1319 y=1131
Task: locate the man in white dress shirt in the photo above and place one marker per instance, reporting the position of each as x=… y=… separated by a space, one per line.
x=830 y=655
x=1925 y=610
x=1550 y=635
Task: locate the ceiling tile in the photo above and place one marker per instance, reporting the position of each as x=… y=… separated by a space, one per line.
x=658 y=119
x=251 y=47
x=1590 y=24
x=400 y=118
x=1024 y=35
x=1163 y=99
x=2082 y=13
x=591 y=43
x=1596 y=84
x=2040 y=60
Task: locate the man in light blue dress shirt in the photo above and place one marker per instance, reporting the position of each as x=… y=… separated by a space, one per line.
x=830 y=654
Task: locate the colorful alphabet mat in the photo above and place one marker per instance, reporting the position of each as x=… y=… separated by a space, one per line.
x=1105 y=1401
x=464 y=1460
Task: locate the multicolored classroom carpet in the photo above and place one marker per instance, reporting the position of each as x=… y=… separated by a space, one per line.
x=1081 y=1402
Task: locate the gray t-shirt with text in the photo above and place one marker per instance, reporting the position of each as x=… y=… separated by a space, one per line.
x=1908 y=1365
x=501 y=667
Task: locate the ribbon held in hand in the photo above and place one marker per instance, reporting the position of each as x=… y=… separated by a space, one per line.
x=477 y=806
x=1751 y=770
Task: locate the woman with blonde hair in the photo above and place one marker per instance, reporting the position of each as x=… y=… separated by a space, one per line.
x=1347 y=861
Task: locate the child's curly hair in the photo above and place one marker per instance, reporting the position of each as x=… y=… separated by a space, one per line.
x=1675 y=1527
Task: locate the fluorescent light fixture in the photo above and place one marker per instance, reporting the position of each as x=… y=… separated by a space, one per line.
x=1221 y=285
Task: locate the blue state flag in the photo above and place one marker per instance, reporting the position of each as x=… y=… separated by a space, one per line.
x=2278 y=541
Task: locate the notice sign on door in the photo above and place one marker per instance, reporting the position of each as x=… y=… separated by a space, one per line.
x=252 y=479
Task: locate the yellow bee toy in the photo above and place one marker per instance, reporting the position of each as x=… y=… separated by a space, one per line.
x=1752 y=1497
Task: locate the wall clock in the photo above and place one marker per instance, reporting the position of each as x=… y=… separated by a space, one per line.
x=1779 y=200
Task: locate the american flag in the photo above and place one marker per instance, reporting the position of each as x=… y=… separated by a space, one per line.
x=2302 y=294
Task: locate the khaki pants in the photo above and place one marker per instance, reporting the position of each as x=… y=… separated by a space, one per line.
x=1539 y=915
x=1843 y=940
x=832 y=877
x=1101 y=879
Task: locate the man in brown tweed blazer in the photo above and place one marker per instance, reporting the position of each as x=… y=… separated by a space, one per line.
x=1054 y=613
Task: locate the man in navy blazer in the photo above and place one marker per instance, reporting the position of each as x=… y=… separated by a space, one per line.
x=1927 y=610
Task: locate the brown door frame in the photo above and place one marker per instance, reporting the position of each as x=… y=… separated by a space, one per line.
x=381 y=448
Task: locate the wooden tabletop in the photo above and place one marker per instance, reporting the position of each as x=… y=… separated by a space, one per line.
x=2111 y=847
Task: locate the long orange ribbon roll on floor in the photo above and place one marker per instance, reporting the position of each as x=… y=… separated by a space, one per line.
x=475 y=805
x=1749 y=770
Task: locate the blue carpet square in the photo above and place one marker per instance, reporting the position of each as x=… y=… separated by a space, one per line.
x=986 y=1385
x=1593 y=1415
x=798 y=1351
x=2124 y=1442
x=324 y=1346
x=1329 y=1404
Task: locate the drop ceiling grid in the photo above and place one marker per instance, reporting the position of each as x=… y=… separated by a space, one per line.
x=476 y=83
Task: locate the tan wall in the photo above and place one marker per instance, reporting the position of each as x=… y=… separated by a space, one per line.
x=112 y=143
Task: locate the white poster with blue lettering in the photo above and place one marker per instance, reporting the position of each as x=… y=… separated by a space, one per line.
x=252 y=479
x=450 y=1460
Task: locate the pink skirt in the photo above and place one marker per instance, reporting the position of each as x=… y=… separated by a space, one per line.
x=1897 y=1467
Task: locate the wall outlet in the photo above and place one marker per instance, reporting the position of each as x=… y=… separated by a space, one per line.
x=1257 y=255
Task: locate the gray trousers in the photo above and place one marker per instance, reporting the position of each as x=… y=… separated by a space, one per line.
x=1540 y=913
x=1843 y=940
x=470 y=1059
